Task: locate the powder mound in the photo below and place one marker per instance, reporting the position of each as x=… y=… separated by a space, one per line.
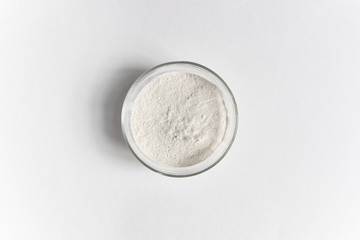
x=179 y=119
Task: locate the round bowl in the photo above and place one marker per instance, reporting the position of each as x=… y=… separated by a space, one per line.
x=193 y=68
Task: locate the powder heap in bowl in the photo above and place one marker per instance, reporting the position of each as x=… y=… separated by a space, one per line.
x=179 y=119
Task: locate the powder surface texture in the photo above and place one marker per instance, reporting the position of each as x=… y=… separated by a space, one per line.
x=179 y=119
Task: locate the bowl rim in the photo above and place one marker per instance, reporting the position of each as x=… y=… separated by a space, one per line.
x=140 y=78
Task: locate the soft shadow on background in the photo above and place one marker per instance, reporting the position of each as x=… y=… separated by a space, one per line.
x=113 y=92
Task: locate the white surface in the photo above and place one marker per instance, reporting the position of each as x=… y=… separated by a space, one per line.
x=293 y=172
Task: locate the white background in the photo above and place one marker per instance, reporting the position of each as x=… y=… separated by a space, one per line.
x=292 y=173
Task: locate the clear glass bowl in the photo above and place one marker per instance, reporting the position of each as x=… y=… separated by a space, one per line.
x=189 y=67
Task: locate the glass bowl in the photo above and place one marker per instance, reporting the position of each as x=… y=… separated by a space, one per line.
x=189 y=67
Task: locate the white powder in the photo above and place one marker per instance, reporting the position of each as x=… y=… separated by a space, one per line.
x=179 y=119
